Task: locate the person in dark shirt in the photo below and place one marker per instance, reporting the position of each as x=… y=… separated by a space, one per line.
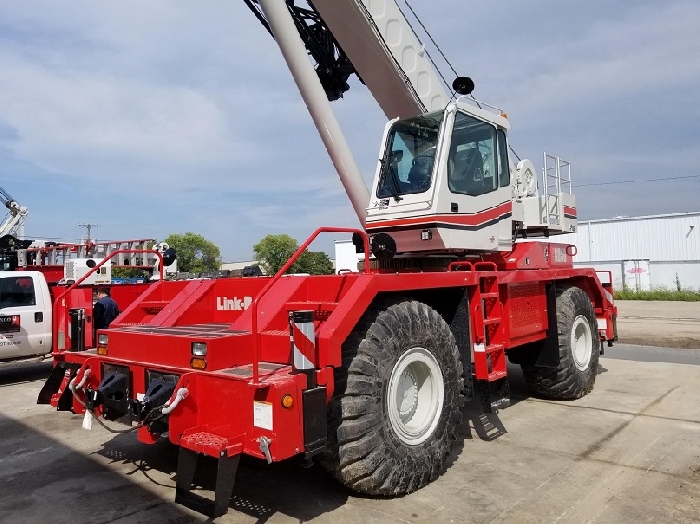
x=105 y=309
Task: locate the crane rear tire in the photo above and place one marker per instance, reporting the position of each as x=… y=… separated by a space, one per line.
x=579 y=350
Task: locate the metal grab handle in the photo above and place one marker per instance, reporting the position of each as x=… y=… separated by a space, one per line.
x=282 y=271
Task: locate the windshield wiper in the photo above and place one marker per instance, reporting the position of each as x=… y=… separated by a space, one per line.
x=394 y=177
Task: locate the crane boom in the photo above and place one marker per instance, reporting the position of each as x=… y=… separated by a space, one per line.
x=285 y=33
x=372 y=40
x=13 y=224
x=387 y=55
x=344 y=37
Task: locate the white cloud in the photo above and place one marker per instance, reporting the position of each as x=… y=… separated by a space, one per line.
x=62 y=120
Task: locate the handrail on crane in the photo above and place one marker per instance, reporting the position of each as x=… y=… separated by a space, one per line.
x=282 y=271
x=54 y=312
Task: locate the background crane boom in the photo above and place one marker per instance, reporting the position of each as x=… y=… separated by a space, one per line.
x=13 y=224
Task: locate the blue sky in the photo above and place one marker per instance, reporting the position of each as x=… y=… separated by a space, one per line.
x=151 y=118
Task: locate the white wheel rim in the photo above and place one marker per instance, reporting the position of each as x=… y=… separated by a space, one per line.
x=416 y=393
x=581 y=342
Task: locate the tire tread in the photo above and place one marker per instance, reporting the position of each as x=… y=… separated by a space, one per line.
x=567 y=382
x=363 y=453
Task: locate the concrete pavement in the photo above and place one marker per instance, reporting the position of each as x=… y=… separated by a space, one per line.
x=629 y=451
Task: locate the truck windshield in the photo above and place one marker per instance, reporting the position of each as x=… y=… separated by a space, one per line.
x=407 y=165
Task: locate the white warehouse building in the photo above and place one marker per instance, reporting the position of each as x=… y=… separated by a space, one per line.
x=642 y=252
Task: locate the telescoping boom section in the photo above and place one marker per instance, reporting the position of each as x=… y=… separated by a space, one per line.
x=364 y=370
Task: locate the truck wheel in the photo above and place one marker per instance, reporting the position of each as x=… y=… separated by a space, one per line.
x=396 y=407
x=579 y=350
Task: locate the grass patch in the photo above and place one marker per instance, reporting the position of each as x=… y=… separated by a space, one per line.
x=662 y=293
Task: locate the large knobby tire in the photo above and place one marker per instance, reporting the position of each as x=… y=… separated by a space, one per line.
x=396 y=407
x=579 y=350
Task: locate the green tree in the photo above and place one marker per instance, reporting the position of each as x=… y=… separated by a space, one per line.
x=314 y=263
x=273 y=251
x=126 y=272
x=195 y=253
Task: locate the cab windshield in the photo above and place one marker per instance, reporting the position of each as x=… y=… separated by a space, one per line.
x=407 y=165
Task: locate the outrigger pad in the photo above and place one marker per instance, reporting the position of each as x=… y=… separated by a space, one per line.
x=58 y=383
x=51 y=385
x=225 y=479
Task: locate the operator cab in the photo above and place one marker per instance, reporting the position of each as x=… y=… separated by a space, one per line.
x=443 y=183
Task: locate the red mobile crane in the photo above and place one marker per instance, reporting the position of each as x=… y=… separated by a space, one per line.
x=367 y=371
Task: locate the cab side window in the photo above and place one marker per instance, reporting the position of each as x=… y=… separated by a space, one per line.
x=17 y=291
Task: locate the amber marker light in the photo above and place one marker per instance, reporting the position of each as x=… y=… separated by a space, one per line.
x=198 y=363
x=102 y=341
x=287 y=401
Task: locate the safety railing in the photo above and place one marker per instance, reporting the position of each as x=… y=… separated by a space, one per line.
x=606 y=283
x=556 y=179
x=54 y=312
x=282 y=271
x=460 y=265
x=58 y=253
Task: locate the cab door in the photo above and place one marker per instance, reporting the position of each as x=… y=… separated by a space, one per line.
x=478 y=179
x=25 y=321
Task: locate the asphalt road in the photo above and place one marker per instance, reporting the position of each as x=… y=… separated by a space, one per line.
x=653 y=354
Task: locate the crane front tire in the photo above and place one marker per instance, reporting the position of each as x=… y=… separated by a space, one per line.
x=397 y=401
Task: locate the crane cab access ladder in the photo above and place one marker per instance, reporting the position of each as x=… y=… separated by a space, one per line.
x=489 y=368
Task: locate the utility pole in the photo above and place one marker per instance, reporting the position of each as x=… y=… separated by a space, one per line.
x=88 y=227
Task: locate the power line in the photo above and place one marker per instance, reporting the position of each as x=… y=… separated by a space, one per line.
x=635 y=181
x=42 y=237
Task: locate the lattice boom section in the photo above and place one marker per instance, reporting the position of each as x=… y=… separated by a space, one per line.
x=527 y=307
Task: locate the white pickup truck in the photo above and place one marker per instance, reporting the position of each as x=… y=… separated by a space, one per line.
x=25 y=317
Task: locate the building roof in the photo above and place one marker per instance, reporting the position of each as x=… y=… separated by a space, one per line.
x=622 y=218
